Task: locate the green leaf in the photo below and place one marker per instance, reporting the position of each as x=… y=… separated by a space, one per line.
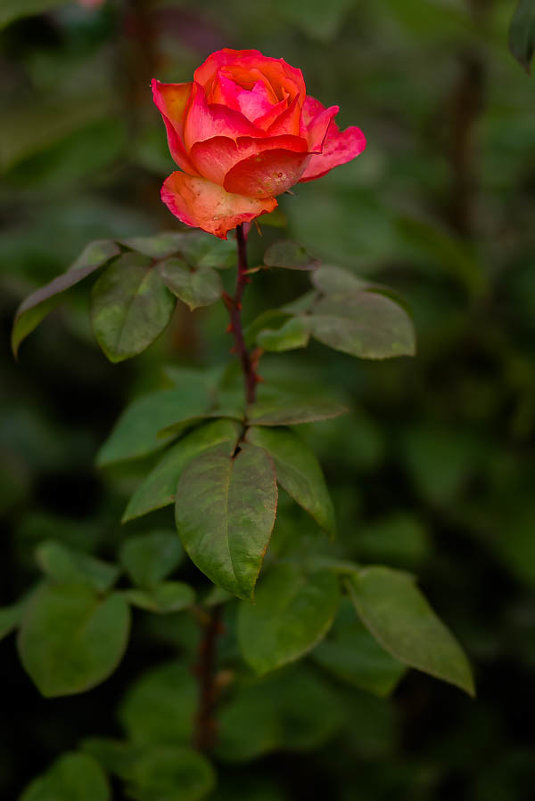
x=293 y=411
x=298 y=472
x=114 y=756
x=170 y=774
x=522 y=33
x=289 y=255
x=71 y=639
x=337 y=281
x=225 y=511
x=399 y=617
x=205 y=250
x=149 y=558
x=40 y=303
x=195 y=287
x=15 y=9
x=169 y=596
x=10 y=617
x=159 y=246
x=292 y=334
x=160 y=707
x=130 y=307
x=292 y=613
x=137 y=431
x=364 y=324
x=351 y=653
x=159 y=487
x=68 y=566
x=73 y=777
x=292 y=709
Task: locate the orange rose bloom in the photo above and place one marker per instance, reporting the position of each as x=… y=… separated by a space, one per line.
x=244 y=131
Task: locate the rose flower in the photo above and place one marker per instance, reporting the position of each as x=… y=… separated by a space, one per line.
x=244 y=131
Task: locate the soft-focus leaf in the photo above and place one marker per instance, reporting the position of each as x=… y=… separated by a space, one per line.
x=170 y=774
x=522 y=33
x=71 y=639
x=158 y=489
x=225 y=511
x=289 y=255
x=293 y=610
x=74 y=777
x=195 y=287
x=39 y=303
x=204 y=250
x=114 y=756
x=321 y=21
x=399 y=617
x=291 y=709
x=363 y=324
x=149 y=558
x=292 y=411
x=10 y=617
x=298 y=472
x=335 y=281
x=292 y=334
x=67 y=566
x=167 y=597
x=160 y=707
x=351 y=653
x=130 y=307
x=159 y=246
x=136 y=433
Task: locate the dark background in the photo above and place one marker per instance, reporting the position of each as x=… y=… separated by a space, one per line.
x=434 y=469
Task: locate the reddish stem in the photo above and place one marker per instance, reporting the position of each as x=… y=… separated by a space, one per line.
x=206 y=724
x=234 y=305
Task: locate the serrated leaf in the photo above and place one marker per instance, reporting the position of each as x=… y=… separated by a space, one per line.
x=364 y=324
x=170 y=774
x=351 y=653
x=195 y=287
x=71 y=639
x=205 y=250
x=337 y=281
x=130 y=307
x=522 y=33
x=293 y=411
x=42 y=301
x=298 y=472
x=225 y=510
x=160 y=707
x=73 y=777
x=67 y=566
x=149 y=558
x=164 y=598
x=292 y=612
x=290 y=256
x=292 y=334
x=10 y=617
x=159 y=488
x=397 y=614
x=136 y=433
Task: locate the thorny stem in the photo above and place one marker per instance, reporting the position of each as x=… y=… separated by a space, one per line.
x=206 y=725
x=234 y=305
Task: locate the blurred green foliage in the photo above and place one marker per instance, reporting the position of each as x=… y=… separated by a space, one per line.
x=433 y=470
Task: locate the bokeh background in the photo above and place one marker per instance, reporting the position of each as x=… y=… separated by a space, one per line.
x=433 y=470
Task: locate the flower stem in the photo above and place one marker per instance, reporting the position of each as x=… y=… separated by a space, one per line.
x=234 y=305
x=206 y=725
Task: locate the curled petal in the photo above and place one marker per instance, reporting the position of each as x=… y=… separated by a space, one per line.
x=172 y=100
x=339 y=147
x=289 y=122
x=206 y=120
x=318 y=126
x=215 y=157
x=203 y=204
x=266 y=174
